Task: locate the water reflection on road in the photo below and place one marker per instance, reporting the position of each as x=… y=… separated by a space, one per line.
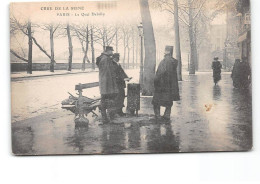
x=208 y=118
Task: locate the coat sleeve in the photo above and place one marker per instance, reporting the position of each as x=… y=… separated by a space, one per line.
x=160 y=72
x=122 y=72
x=175 y=63
x=103 y=64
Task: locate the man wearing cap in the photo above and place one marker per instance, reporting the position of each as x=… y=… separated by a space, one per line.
x=166 y=85
x=121 y=77
x=107 y=84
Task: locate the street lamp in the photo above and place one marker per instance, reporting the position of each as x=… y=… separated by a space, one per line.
x=141 y=34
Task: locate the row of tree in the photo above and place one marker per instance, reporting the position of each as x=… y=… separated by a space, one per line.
x=123 y=37
x=193 y=17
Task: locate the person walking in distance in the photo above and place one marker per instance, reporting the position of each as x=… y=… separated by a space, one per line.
x=216 y=66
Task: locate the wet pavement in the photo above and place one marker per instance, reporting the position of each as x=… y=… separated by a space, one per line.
x=208 y=118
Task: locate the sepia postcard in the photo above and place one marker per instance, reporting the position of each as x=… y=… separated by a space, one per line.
x=130 y=76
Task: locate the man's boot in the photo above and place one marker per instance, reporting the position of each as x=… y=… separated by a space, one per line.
x=167 y=113
x=111 y=113
x=104 y=116
x=157 y=112
x=120 y=112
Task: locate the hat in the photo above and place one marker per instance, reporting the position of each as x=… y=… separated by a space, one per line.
x=109 y=48
x=168 y=50
x=116 y=55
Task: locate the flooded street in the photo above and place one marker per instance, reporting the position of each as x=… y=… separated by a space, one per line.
x=208 y=118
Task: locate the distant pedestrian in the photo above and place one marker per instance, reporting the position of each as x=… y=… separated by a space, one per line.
x=107 y=84
x=241 y=74
x=245 y=72
x=216 y=66
x=235 y=73
x=166 y=85
x=121 y=77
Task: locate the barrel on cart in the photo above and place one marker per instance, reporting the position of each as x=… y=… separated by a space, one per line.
x=133 y=98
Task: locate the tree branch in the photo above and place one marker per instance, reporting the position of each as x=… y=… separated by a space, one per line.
x=187 y=24
x=202 y=4
x=19 y=57
x=38 y=45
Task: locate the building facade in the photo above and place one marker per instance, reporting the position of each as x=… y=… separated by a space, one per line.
x=244 y=39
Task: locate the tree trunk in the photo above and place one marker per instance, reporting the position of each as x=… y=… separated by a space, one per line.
x=128 y=51
x=136 y=52
x=52 y=49
x=92 y=49
x=191 y=35
x=150 y=49
x=177 y=40
x=116 y=40
x=128 y=57
x=104 y=43
x=104 y=39
x=86 y=51
x=70 y=48
x=141 y=79
x=83 y=67
x=188 y=62
x=133 y=44
x=124 y=50
x=195 y=50
x=29 y=65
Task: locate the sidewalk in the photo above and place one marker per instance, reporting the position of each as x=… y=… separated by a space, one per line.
x=23 y=75
x=208 y=118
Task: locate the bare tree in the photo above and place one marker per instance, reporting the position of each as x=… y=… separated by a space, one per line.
x=83 y=34
x=29 y=66
x=92 y=47
x=70 y=47
x=172 y=7
x=150 y=49
x=52 y=29
x=26 y=29
x=177 y=39
x=188 y=13
x=125 y=32
x=105 y=35
x=192 y=13
x=133 y=46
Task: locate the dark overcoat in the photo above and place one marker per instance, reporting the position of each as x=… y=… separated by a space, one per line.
x=216 y=66
x=107 y=75
x=120 y=76
x=166 y=83
x=120 y=79
x=240 y=75
x=235 y=74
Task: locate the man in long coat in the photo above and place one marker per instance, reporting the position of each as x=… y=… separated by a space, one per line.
x=241 y=74
x=235 y=74
x=166 y=85
x=121 y=77
x=216 y=66
x=107 y=83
